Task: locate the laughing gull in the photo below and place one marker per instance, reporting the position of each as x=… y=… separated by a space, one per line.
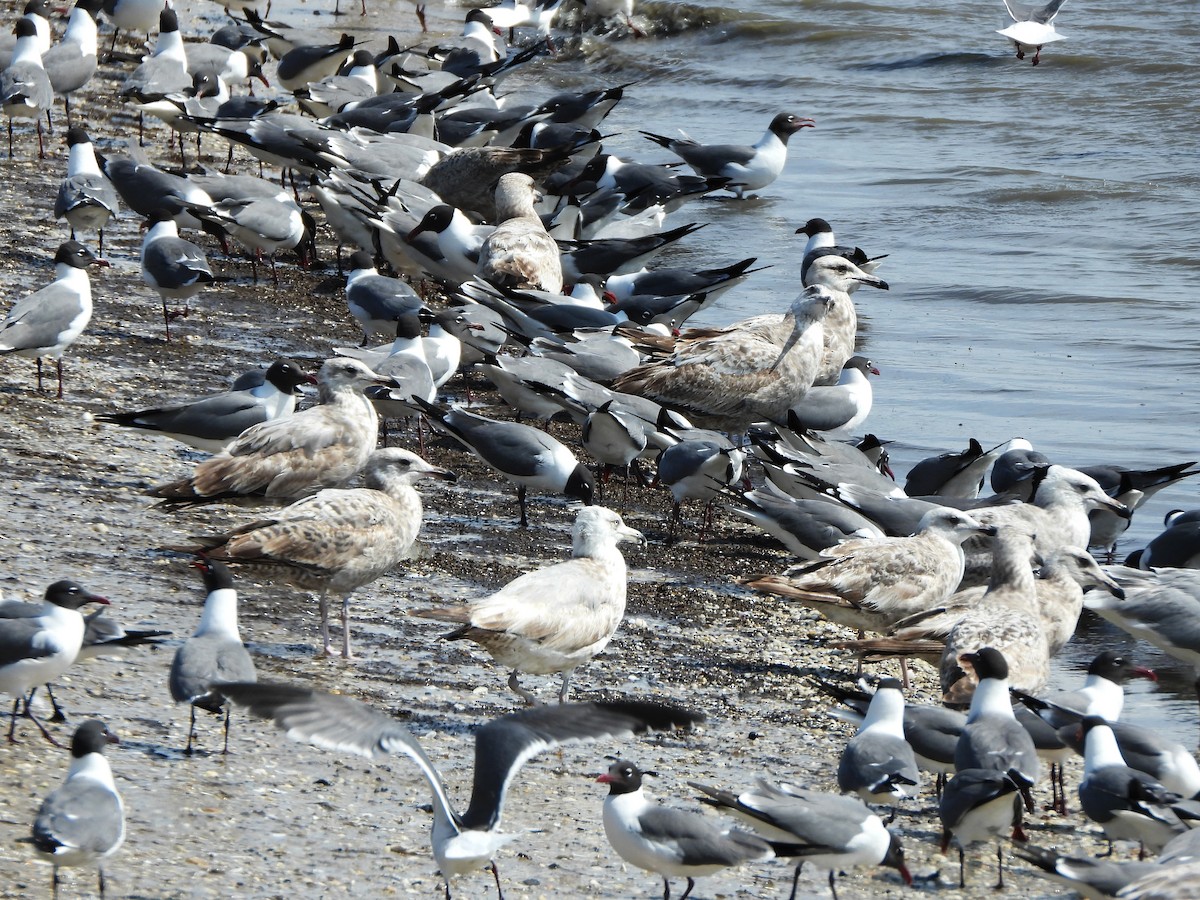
x=375 y=300
x=264 y=225
x=616 y=438
x=1032 y=28
x=672 y=282
x=165 y=70
x=1128 y=804
x=698 y=468
x=822 y=242
x=214 y=652
x=456 y=241
x=86 y=198
x=804 y=527
x=82 y=823
x=1094 y=879
x=827 y=830
x=838 y=408
x=878 y=763
x=320 y=447
x=519 y=253
x=1133 y=487
x=1006 y=619
x=38 y=12
x=992 y=739
x=132 y=15
x=25 y=90
x=673 y=843
x=953 y=474
x=340 y=538
x=462 y=843
x=211 y=423
x=526 y=456
x=746 y=167
x=872 y=584
x=747 y=372
x=144 y=188
x=177 y=269
x=39 y=642
x=980 y=805
x=46 y=322
x=71 y=62
x=537 y=14
x=557 y=618
x=104 y=635
x=307 y=63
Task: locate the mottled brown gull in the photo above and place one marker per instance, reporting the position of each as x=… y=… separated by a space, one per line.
x=1006 y=618
x=519 y=253
x=321 y=447
x=339 y=539
x=872 y=584
x=556 y=618
x=750 y=371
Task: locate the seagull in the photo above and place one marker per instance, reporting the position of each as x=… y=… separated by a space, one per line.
x=670 y=842
x=841 y=277
x=830 y=831
x=338 y=539
x=86 y=198
x=1005 y=618
x=804 y=527
x=698 y=468
x=104 y=635
x=211 y=423
x=955 y=474
x=132 y=15
x=1128 y=804
x=177 y=269
x=878 y=763
x=25 y=89
x=821 y=242
x=307 y=63
x=1133 y=487
x=82 y=823
x=467 y=842
x=1033 y=27
x=1092 y=878
x=48 y=321
x=838 y=408
x=38 y=12
x=981 y=805
x=39 y=643
x=519 y=253
x=320 y=447
x=524 y=455
x=165 y=71
x=744 y=373
x=213 y=653
x=556 y=618
x=992 y=739
x=747 y=168
x=872 y=584
x=375 y=300
x=71 y=63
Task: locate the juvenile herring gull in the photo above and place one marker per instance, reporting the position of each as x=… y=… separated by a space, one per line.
x=339 y=539
x=519 y=253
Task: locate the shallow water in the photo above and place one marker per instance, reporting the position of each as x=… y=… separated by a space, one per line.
x=1039 y=221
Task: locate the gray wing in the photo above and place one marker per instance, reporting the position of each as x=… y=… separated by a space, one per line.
x=80 y=815
x=825 y=407
x=711 y=159
x=971 y=788
x=508 y=446
x=336 y=723
x=697 y=841
x=19 y=640
x=218 y=418
x=997 y=744
x=26 y=82
x=200 y=661
x=821 y=822
x=878 y=763
x=85 y=190
x=38 y=319
x=383 y=298
x=175 y=263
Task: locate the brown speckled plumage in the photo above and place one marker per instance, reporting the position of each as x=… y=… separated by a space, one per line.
x=321 y=447
x=519 y=253
x=338 y=539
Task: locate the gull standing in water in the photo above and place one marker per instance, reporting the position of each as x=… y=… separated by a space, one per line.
x=557 y=618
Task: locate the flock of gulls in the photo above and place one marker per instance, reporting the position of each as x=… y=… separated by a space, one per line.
x=528 y=255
